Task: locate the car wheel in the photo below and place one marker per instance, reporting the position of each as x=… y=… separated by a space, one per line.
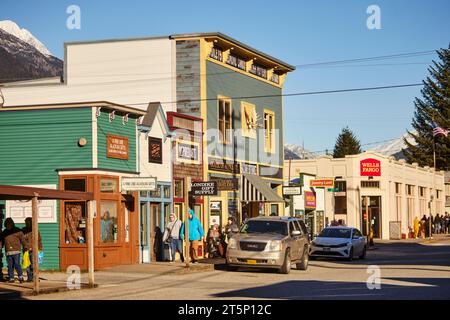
x=303 y=264
x=350 y=255
x=286 y=267
x=363 y=255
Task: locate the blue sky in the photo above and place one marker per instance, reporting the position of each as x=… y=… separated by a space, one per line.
x=298 y=32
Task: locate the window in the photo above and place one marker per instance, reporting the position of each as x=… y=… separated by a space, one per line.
x=292 y=227
x=178 y=188
x=356 y=233
x=167 y=192
x=370 y=184
x=275 y=78
x=75 y=185
x=422 y=192
x=259 y=71
x=156 y=193
x=75 y=222
x=225 y=121
x=237 y=62
x=108 y=222
x=341 y=186
x=274 y=210
x=155 y=150
x=398 y=188
x=438 y=194
x=216 y=53
x=409 y=190
x=269 y=125
x=108 y=185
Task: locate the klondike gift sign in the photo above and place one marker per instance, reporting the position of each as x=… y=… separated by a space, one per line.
x=370 y=167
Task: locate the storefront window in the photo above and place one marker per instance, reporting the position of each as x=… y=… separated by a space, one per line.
x=178 y=188
x=108 y=224
x=75 y=185
x=156 y=193
x=108 y=185
x=166 y=212
x=144 y=194
x=167 y=192
x=144 y=225
x=274 y=210
x=75 y=222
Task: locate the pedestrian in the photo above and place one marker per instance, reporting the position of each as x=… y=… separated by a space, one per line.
x=196 y=234
x=416 y=227
x=447 y=223
x=423 y=225
x=12 y=239
x=437 y=224
x=158 y=248
x=214 y=242
x=230 y=228
x=172 y=237
x=28 y=245
x=427 y=227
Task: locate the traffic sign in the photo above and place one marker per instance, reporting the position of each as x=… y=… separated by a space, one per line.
x=204 y=188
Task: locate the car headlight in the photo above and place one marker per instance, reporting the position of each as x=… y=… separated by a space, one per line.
x=274 y=245
x=343 y=244
x=232 y=244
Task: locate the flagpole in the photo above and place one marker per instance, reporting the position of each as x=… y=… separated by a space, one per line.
x=434 y=153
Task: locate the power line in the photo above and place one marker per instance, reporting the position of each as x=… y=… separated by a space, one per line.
x=290 y=94
x=328 y=64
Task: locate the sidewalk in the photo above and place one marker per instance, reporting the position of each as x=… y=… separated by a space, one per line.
x=52 y=282
x=436 y=238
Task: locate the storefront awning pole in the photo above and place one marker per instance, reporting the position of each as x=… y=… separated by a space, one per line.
x=35 y=246
x=92 y=206
x=187 y=189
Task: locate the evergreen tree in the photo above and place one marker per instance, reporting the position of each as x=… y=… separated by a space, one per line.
x=346 y=144
x=433 y=107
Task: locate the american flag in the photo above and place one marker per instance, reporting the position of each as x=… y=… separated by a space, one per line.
x=439 y=130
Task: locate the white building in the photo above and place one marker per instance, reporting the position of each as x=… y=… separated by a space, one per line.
x=392 y=192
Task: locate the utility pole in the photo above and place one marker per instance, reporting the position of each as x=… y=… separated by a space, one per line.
x=187 y=189
x=35 y=234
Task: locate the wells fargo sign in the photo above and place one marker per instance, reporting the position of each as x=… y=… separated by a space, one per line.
x=370 y=168
x=117 y=147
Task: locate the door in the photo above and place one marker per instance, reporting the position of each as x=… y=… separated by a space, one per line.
x=294 y=242
x=374 y=216
x=144 y=233
x=155 y=232
x=358 y=242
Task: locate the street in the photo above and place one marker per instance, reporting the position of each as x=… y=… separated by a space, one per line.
x=408 y=270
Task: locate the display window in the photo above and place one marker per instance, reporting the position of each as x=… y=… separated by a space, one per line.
x=75 y=222
x=109 y=222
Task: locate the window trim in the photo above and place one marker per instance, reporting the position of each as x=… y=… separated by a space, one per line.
x=269 y=149
x=221 y=137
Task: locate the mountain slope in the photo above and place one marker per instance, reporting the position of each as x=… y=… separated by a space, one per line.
x=293 y=151
x=22 y=61
x=394 y=147
x=23 y=34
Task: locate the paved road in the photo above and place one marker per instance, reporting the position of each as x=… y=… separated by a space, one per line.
x=408 y=271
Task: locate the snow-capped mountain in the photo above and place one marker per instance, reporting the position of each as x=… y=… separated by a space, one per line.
x=20 y=60
x=293 y=151
x=394 y=147
x=23 y=34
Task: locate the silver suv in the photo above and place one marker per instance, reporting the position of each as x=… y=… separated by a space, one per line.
x=269 y=242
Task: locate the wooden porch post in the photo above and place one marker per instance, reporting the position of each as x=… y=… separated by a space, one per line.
x=35 y=233
x=92 y=207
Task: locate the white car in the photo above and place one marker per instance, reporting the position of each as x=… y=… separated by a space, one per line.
x=339 y=242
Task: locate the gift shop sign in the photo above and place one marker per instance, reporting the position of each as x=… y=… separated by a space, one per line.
x=370 y=168
x=117 y=147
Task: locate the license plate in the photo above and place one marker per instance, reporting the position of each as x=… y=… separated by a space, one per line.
x=326 y=249
x=251 y=261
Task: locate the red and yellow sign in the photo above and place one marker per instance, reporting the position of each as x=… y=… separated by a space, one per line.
x=310 y=200
x=370 y=167
x=322 y=183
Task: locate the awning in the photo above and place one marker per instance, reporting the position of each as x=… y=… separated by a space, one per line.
x=8 y=192
x=255 y=189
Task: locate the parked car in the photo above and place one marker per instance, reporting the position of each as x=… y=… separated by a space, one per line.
x=269 y=242
x=339 y=242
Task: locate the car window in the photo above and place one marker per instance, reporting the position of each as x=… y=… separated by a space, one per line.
x=255 y=226
x=335 y=233
x=298 y=225
x=357 y=233
x=293 y=227
x=303 y=226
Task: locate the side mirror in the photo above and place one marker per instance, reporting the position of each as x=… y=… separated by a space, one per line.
x=295 y=233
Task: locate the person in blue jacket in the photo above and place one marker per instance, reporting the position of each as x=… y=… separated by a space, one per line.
x=196 y=235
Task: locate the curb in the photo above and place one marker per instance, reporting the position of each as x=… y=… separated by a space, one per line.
x=53 y=290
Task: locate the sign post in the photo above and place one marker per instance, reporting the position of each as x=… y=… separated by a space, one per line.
x=92 y=208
